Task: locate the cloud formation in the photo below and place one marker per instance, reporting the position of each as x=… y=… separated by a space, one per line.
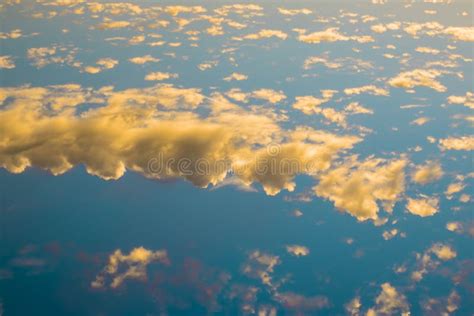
x=357 y=187
x=134 y=266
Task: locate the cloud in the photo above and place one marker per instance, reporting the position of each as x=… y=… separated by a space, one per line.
x=113 y=25
x=331 y=35
x=371 y=89
x=152 y=132
x=13 y=34
x=466 y=100
x=310 y=105
x=382 y=28
x=297 y=250
x=420 y=121
x=356 y=108
x=236 y=76
x=443 y=252
x=454 y=188
x=144 y=59
x=175 y=10
x=269 y=95
x=292 y=12
x=352 y=308
x=357 y=187
x=6 y=62
x=389 y=302
x=389 y=234
x=455 y=227
x=300 y=303
x=427 y=173
x=207 y=65
x=465 y=34
x=260 y=265
x=429 y=259
x=425 y=206
x=158 y=76
x=441 y=306
x=41 y=56
x=313 y=60
x=101 y=65
x=457 y=143
x=328 y=35
x=134 y=266
x=427 y=50
x=418 y=78
x=265 y=33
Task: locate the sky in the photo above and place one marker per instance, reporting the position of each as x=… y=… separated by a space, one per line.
x=236 y=158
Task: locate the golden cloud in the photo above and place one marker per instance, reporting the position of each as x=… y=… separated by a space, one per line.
x=424 y=206
x=297 y=250
x=389 y=302
x=134 y=266
x=457 y=143
x=356 y=187
x=418 y=77
x=427 y=173
x=151 y=131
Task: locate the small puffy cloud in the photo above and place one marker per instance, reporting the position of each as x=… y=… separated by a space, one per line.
x=269 y=95
x=6 y=62
x=431 y=28
x=331 y=35
x=158 y=76
x=382 y=28
x=292 y=12
x=237 y=95
x=207 y=65
x=427 y=50
x=260 y=265
x=441 y=305
x=389 y=234
x=357 y=187
x=353 y=306
x=313 y=60
x=310 y=105
x=297 y=250
x=265 y=33
x=236 y=76
x=456 y=227
x=101 y=65
x=465 y=34
x=429 y=260
x=144 y=59
x=389 y=302
x=113 y=25
x=443 y=252
x=328 y=35
x=424 y=206
x=427 y=173
x=40 y=56
x=356 y=108
x=371 y=89
x=175 y=10
x=466 y=100
x=457 y=143
x=418 y=78
x=420 y=121
x=121 y=267
x=454 y=188
x=13 y=34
